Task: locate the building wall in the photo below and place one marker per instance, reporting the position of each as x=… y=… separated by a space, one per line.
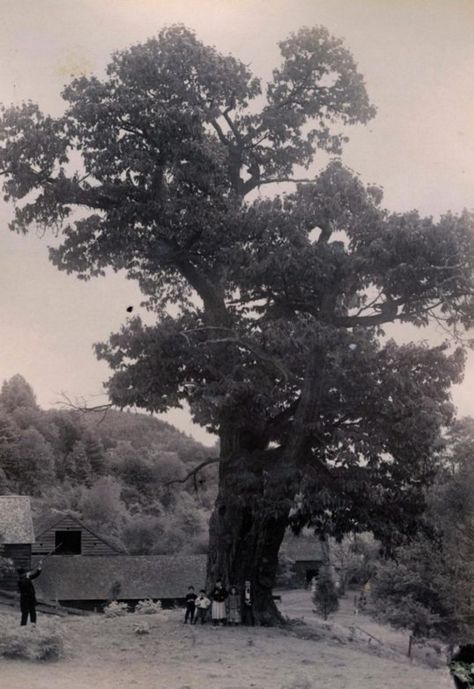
x=303 y=570
x=21 y=556
x=91 y=544
x=99 y=604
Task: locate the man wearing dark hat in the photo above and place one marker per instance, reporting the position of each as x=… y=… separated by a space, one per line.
x=27 y=593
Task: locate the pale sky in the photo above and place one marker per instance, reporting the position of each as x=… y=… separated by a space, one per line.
x=417 y=57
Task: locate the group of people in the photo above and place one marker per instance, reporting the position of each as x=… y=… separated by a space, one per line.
x=226 y=607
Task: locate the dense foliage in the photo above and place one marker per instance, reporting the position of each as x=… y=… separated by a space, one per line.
x=428 y=587
x=112 y=471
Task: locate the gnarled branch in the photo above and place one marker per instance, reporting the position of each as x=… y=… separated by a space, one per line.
x=193 y=473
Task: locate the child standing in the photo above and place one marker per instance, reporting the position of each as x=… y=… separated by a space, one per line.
x=219 y=596
x=233 y=606
x=190 y=605
x=202 y=606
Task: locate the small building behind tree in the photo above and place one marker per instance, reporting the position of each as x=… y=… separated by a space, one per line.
x=16 y=536
x=307 y=553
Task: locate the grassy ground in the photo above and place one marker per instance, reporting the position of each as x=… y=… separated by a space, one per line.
x=108 y=654
x=296 y=604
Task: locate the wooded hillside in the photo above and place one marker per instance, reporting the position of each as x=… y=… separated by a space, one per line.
x=113 y=470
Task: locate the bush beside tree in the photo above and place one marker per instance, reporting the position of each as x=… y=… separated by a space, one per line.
x=325 y=597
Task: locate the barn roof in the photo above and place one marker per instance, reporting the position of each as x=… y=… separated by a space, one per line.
x=47 y=521
x=16 y=524
x=303 y=548
x=123 y=577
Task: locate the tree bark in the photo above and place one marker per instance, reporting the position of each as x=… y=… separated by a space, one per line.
x=252 y=507
x=246 y=531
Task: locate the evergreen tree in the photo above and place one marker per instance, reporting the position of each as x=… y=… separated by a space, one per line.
x=9 y=435
x=34 y=465
x=16 y=393
x=78 y=464
x=95 y=454
x=325 y=596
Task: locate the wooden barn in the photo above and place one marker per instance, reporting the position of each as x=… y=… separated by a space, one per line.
x=83 y=569
x=16 y=535
x=90 y=582
x=65 y=534
x=308 y=554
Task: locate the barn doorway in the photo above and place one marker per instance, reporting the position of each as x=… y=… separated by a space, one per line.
x=68 y=543
x=310 y=573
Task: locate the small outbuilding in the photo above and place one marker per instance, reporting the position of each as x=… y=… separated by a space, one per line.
x=16 y=535
x=308 y=553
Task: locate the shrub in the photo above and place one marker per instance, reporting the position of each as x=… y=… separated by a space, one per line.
x=32 y=643
x=141 y=629
x=325 y=597
x=148 y=607
x=116 y=609
x=6 y=567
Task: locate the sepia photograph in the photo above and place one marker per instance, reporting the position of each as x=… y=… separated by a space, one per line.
x=236 y=344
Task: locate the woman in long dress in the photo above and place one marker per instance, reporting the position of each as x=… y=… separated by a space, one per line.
x=218 y=597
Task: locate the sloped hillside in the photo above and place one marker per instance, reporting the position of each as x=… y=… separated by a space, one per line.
x=118 y=471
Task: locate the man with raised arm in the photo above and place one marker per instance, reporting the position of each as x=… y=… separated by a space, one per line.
x=27 y=593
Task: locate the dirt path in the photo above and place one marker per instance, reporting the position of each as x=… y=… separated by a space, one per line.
x=108 y=654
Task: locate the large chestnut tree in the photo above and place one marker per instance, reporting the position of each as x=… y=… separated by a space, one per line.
x=269 y=308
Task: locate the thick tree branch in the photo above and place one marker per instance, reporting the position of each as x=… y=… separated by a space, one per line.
x=232 y=126
x=388 y=313
x=213 y=300
x=306 y=416
x=222 y=137
x=284 y=415
x=292 y=180
x=239 y=342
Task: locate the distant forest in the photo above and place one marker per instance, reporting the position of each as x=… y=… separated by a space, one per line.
x=113 y=470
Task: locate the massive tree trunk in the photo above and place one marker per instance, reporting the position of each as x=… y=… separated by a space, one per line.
x=246 y=530
x=256 y=490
